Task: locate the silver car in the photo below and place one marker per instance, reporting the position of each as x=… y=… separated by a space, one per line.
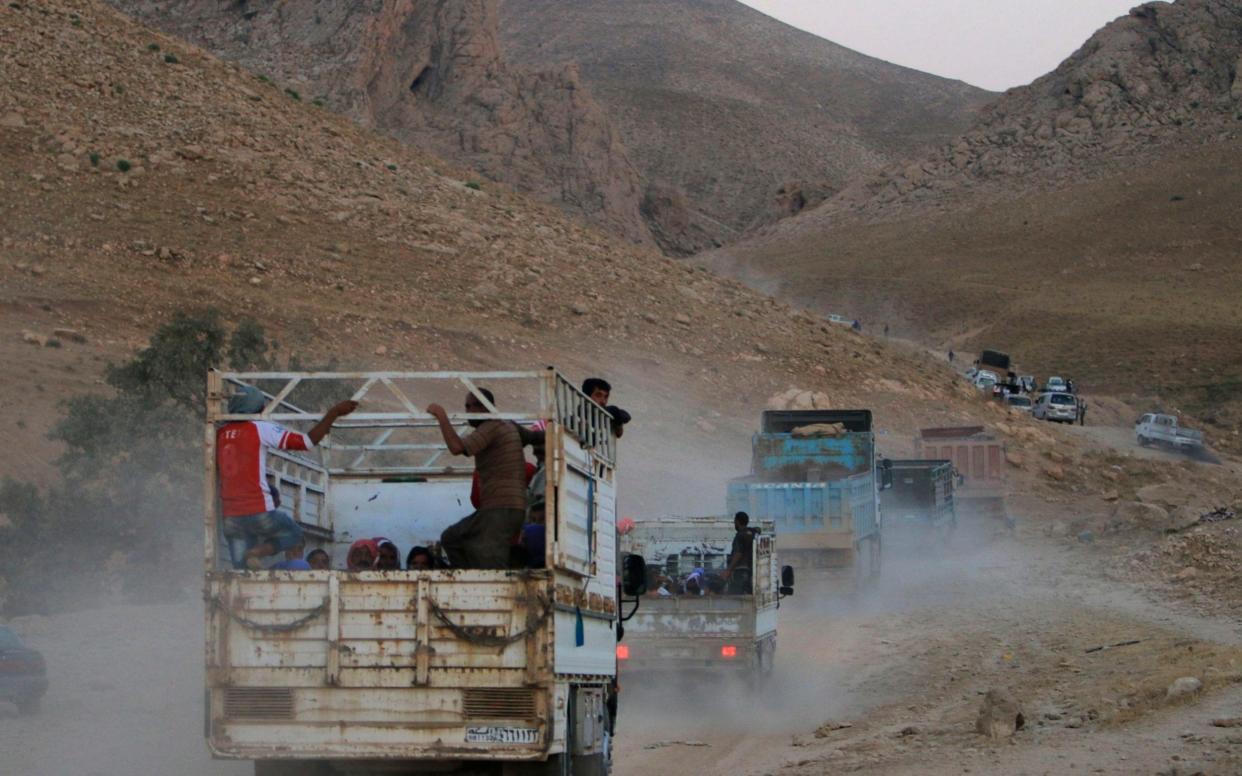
x=1060 y=407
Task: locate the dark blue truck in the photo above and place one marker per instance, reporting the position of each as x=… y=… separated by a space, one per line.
x=815 y=474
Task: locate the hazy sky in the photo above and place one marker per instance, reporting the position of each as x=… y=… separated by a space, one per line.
x=995 y=44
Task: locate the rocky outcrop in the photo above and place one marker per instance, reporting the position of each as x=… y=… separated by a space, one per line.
x=429 y=72
x=1163 y=74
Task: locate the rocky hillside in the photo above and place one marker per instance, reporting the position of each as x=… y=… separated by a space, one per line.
x=734 y=119
x=1165 y=75
x=145 y=176
x=431 y=73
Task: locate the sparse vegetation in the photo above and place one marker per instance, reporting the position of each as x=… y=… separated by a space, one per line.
x=95 y=157
x=293 y=93
x=153 y=47
x=392 y=167
x=1176 y=198
x=474 y=185
x=124 y=165
x=264 y=78
x=319 y=102
x=171 y=58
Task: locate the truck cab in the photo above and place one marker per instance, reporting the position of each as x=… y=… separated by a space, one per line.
x=712 y=625
x=1154 y=428
x=334 y=671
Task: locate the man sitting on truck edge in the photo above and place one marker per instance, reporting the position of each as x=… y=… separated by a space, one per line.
x=252 y=525
x=482 y=539
x=740 y=555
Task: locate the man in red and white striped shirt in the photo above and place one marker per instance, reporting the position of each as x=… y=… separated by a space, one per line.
x=253 y=526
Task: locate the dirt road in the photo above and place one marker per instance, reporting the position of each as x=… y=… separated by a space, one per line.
x=890 y=681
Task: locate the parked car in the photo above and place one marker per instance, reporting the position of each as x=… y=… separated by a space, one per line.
x=1165 y=430
x=840 y=319
x=1018 y=402
x=1056 y=385
x=23 y=674
x=1060 y=407
x=985 y=380
x=1027 y=382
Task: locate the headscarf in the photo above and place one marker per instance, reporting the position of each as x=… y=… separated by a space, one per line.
x=369 y=544
x=248 y=401
x=380 y=541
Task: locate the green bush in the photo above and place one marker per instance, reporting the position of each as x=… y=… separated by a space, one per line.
x=95 y=157
x=474 y=185
x=294 y=94
x=124 y=165
x=171 y=58
x=129 y=501
x=153 y=47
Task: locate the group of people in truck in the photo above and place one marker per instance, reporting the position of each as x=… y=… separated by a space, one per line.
x=505 y=530
x=735 y=579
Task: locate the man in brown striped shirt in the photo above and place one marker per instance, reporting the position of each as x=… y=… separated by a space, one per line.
x=482 y=540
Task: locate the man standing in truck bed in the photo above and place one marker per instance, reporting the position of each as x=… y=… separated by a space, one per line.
x=482 y=539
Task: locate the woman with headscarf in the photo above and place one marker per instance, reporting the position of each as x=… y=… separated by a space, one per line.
x=389 y=557
x=363 y=555
x=252 y=526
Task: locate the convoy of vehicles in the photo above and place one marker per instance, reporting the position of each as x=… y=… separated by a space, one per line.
x=1016 y=401
x=1155 y=429
x=815 y=474
x=419 y=670
x=23 y=674
x=1058 y=407
x=920 y=504
x=730 y=630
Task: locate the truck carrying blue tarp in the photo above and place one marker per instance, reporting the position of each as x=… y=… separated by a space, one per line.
x=813 y=474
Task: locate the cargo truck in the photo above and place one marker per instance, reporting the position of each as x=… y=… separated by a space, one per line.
x=919 y=505
x=463 y=670
x=815 y=475
x=979 y=467
x=727 y=631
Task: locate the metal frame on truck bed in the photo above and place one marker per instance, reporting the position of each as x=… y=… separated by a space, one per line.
x=331 y=671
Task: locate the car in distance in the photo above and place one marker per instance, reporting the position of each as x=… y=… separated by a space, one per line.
x=1056 y=385
x=1059 y=407
x=23 y=674
x=1018 y=402
x=1165 y=430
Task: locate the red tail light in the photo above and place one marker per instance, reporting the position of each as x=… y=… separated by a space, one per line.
x=623 y=652
x=728 y=651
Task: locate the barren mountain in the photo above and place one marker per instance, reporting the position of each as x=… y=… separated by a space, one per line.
x=431 y=73
x=733 y=118
x=145 y=176
x=1164 y=76
x=1087 y=223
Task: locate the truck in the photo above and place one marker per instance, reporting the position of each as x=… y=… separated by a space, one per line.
x=724 y=631
x=919 y=504
x=1156 y=429
x=978 y=459
x=465 y=670
x=815 y=475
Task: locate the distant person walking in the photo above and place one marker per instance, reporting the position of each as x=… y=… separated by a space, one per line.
x=951 y=356
x=886 y=330
x=1082 y=412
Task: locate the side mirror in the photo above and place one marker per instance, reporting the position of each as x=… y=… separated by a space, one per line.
x=634 y=576
x=787 y=580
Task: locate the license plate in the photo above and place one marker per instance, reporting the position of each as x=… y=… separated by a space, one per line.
x=502 y=735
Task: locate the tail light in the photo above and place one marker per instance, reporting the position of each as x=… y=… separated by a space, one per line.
x=728 y=651
x=623 y=652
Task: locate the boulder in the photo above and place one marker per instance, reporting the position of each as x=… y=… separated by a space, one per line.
x=1136 y=514
x=1182 y=687
x=1000 y=716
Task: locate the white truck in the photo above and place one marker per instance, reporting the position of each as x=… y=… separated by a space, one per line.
x=1153 y=429
x=675 y=632
x=468 y=671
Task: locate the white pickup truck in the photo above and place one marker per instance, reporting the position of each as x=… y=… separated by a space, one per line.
x=677 y=632
x=1165 y=430
x=356 y=672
